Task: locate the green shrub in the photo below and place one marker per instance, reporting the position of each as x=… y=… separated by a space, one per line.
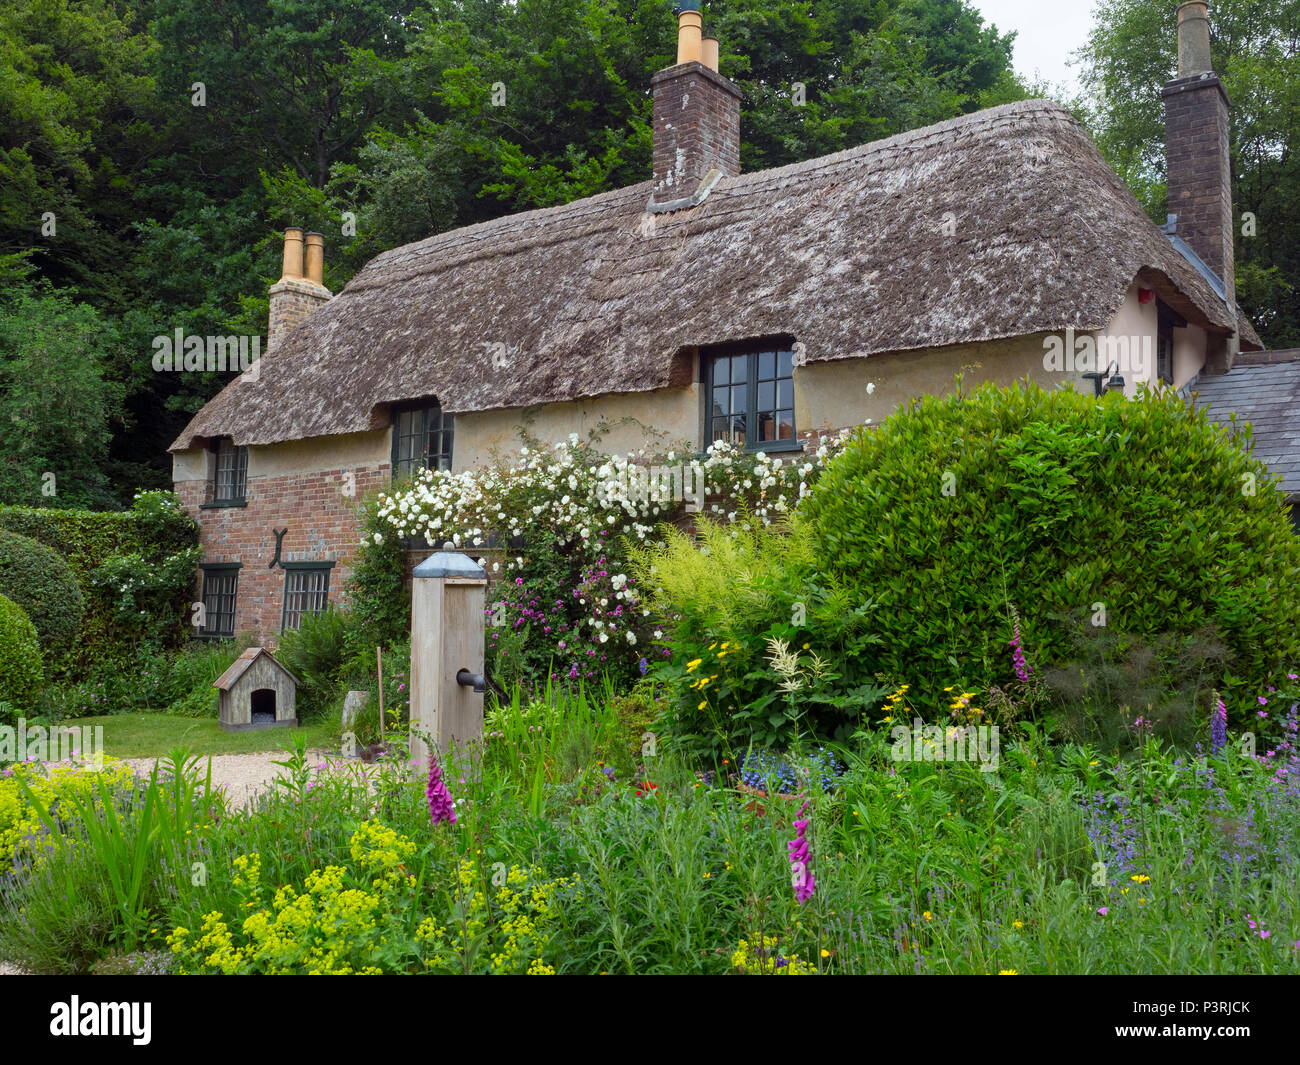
x=21 y=670
x=40 y=582
x=762 y=651
x=118 y=544
x=320 y=655
x=1138 y=515
x=377 y=595
x=192 y=671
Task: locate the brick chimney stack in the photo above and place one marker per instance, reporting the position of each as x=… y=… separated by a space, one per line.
x=301 y=288
x=696 y=120
x=1198 y=156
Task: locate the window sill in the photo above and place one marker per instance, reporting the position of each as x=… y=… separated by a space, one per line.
x=219 y=503
x=774 y=447
x=214 y=635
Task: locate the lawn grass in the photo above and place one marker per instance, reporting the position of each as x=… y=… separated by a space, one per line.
x=140 y=735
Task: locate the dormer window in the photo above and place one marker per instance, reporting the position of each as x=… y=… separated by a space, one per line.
x=750 y=397
x=229 y=475
x=422 y=439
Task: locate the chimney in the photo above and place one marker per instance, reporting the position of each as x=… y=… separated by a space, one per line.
x=1198 y=159
x=301 y=288
x=696 y=120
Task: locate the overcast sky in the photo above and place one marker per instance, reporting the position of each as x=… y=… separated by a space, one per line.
x=1047 y=32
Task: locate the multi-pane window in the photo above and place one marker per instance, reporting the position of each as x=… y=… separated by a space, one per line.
x=306 y=591
x=220 y=586
x=231 y=479
x=422 y=437
x=751 y=398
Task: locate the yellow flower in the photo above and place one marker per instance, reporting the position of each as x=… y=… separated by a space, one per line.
x=928 y=915
x=1140 y=878
x=693 y=665
x=1007 y=972
x=1017 y=924
x=703 y=704
x=825 y=953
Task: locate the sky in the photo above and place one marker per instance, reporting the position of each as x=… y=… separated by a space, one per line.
x=1047 y=32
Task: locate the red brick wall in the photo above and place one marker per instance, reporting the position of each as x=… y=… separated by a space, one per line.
x=1200 y=173
x=323 y=524
x=696 y=113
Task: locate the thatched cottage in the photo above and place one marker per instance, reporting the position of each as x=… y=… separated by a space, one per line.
x=706 y=303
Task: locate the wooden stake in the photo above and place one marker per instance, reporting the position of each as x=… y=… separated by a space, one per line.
x=379 y=657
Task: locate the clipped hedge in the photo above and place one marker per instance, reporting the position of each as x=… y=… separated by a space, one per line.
x=42 y=583
x=21 y=669
x=155 y=542
x=1139 y=514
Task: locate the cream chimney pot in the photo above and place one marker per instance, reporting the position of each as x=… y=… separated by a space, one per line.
x=292 y=253
x=690 y=25
x=709 y=52
x=315 y=264
x=1193 y=38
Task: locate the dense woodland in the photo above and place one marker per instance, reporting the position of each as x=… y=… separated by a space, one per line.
x=150 y=152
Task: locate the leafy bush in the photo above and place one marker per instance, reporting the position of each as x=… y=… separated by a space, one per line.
x=142 y=545
x=40 y=582
x=21 y=670
x=745 y=609
x=1137 y=515
x=192 y=672
x=320 y=655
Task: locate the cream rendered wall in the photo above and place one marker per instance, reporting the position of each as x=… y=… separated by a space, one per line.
x=346 y=451
x=658 y=420
x=315 y=454
x=833 y=395
x=1189 y=353
x=1130 y=341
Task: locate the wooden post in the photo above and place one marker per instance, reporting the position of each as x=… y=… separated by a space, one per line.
x=379 y=656
x=447 y=633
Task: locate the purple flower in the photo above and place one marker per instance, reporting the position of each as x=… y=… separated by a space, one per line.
x=1218 y=728
x=1023 y=668
x=440 y=804
x=800 y=858
x=643 y=667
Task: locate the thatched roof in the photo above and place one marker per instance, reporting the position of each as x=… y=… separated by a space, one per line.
x=848 y=253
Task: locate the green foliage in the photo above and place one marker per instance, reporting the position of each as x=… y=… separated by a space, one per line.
x=377 y=593
x=128 y=561
x=320 y=656
x=1141 y=516
x=731 y=595
x=21 y=667
x=56 y=401
x=43 y=584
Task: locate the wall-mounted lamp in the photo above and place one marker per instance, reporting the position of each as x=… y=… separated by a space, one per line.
x=1111 y=380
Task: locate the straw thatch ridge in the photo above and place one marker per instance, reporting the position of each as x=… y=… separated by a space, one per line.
x=1002 y=223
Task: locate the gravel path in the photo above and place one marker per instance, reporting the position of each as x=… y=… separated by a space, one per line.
x=241 y=775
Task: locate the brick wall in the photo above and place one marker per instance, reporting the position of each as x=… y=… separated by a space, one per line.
x=1200 y=174
x=696 y=128
x=291 y=300
x=323 y=525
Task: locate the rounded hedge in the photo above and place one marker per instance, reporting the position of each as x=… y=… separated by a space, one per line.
x=38 y=579
x=21 y=671
x=1142 y=515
